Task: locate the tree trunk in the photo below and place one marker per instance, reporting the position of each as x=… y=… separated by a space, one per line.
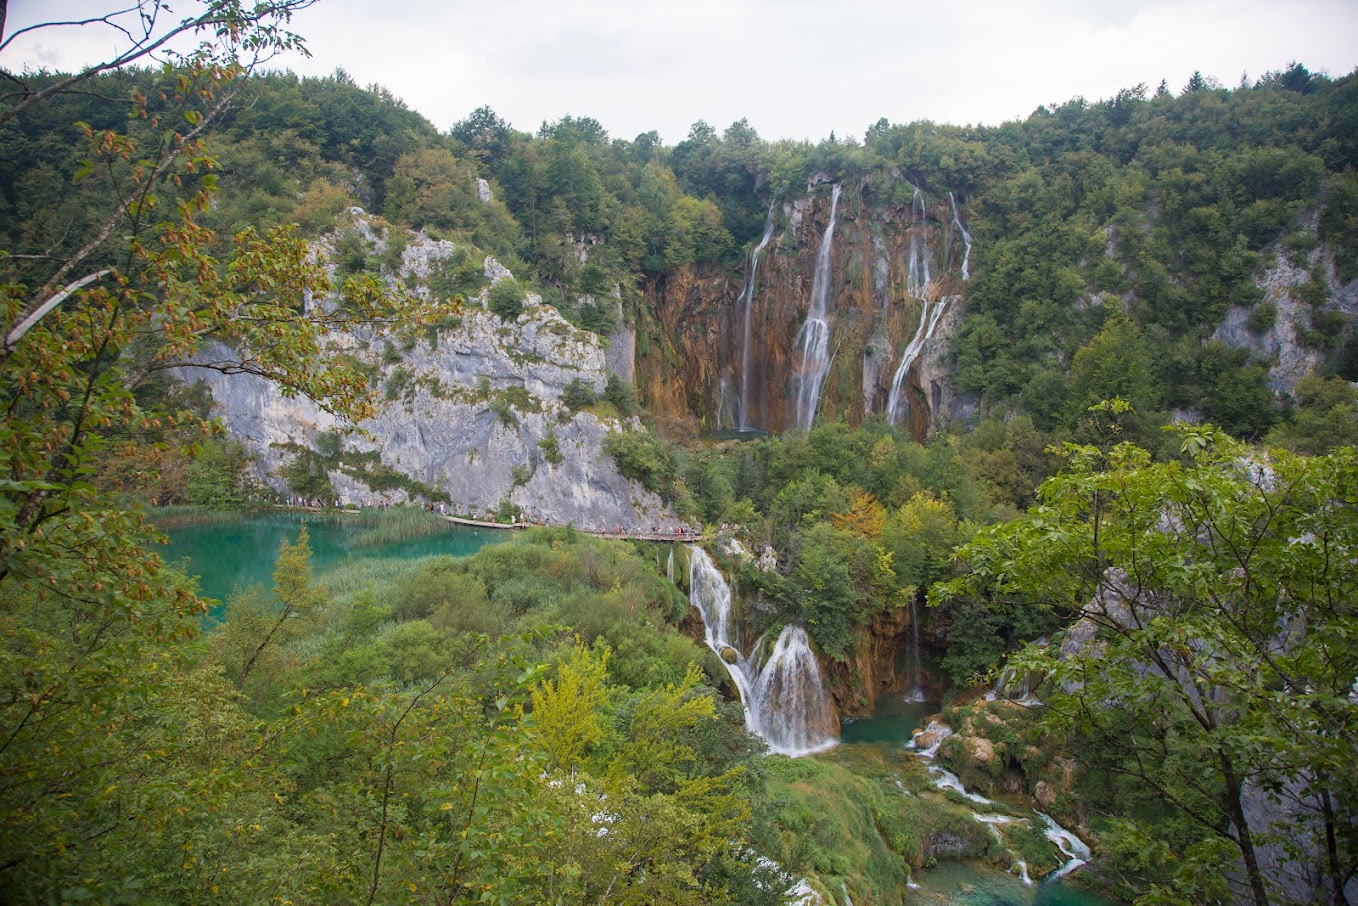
x=1242 y=831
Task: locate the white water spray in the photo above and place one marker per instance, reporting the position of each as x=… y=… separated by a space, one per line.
x=916 y=672
x=966 y=236
x=916 y=286
x=783 y=695
x=814 y=337
x=747 y=298
x=1071 y=846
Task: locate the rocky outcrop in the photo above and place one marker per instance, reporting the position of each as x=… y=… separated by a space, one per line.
x=1281 y=346
x=473 y=410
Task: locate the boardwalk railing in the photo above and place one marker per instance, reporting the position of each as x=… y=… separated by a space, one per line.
x=624 y=535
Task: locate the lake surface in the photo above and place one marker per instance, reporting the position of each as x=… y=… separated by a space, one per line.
x=892 y=722
x=972 y=884
x=243 y=552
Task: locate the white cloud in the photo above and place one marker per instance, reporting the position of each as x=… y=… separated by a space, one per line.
x=794 y=68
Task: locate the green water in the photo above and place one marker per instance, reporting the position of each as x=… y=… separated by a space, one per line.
x=956 y=883
x=972 y=884
x=243 y=552
x=892 y=722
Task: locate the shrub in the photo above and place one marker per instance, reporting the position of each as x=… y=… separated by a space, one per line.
x=1262 y=317
x=579 y=395
x=506 y=299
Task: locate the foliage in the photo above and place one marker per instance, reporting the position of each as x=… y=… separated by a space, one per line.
x=1213 y=606
x=505 y=298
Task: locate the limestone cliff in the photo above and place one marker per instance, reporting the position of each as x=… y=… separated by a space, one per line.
x=474 y=410
x=1281 y=345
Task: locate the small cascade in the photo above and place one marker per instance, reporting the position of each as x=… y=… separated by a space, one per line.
x=747 y=299
x=669 y=566
x=781 y=688
x=916 y=673
x=994 y=823
x=1013 y=687
x=927 y=740
x=966 y=236
x=814 y=338
x=947 y=780
x=1072 y=847
x=916 y=286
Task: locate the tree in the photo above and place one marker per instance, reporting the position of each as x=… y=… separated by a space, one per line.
x=92 y=663
x=1208 y=671
x=505 y=298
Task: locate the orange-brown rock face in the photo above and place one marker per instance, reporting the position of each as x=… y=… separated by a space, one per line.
x=690 y=359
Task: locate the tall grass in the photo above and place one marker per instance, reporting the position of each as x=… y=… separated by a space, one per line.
x=179 y=515
x=400 y=523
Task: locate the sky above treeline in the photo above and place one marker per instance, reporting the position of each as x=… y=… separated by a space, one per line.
x=798 y=69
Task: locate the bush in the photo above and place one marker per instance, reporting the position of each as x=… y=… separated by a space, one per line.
x=506 y=299
x=645 y=458
x=1262 y=317
x=551 y=449
x=620 y=394
x=579 y=395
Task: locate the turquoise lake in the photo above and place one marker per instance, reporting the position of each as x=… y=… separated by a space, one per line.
x=243 y=552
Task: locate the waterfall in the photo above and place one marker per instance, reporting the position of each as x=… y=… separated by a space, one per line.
x=1071 y=846
x=916 y=286
x=966 y=236
x=747 y=298
x=725 y=418
x=916 y=673
x=669 y=565
x=784 y=697
x=814 y=337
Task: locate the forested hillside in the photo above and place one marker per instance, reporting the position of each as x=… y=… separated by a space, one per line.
x=947 y=354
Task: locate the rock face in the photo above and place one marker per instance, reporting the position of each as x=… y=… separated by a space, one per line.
x=1280 y=346
x=892 y=256
x=874 y=666
x=473 y=412
x=876 y=295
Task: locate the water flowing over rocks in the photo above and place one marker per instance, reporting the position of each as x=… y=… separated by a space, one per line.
x=845 y=307
x=780 y=684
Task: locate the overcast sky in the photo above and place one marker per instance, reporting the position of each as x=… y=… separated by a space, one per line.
x=793 y=68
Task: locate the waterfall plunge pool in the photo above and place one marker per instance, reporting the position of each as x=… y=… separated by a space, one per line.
x=975 y=884
x=891 y=722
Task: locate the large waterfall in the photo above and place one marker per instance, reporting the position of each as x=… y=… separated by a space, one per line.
x=814 y=337
x=747 y=299
x=781 y=688
x=916 y=286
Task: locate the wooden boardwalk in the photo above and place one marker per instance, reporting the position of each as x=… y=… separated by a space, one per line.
x=683 y=535
x=687 y=535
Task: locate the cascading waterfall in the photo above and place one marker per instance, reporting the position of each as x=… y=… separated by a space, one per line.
x=725 y=417
x=966 y=236
x=747 y=298
x=916 y=678
x=784 y=697
x=916 y=286
x=669 y=566
x=814 y=337
x=1075 y=850
x=1072 y=847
